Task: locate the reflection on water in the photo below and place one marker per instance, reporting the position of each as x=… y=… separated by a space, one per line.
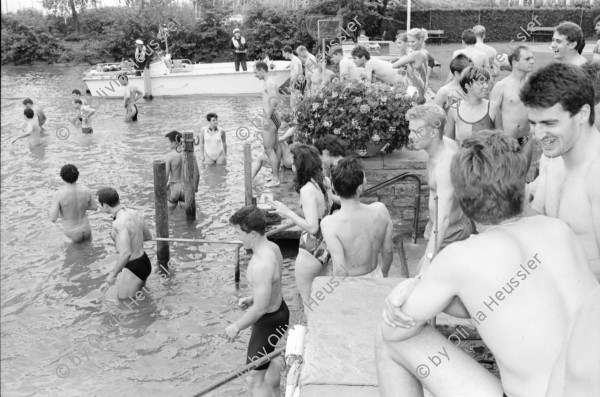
x=63 y=332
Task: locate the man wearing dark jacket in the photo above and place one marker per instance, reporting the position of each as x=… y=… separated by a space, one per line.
x=238 y=44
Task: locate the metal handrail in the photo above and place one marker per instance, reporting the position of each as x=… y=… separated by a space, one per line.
x=398 y=178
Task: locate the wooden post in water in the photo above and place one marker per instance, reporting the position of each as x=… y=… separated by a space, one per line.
x=248 y=173
x=161 y=211
x=188 y=175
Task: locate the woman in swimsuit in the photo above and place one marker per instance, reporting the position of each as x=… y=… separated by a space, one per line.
x=315 y=196
x=474 y=113
x=416 y=61
x=213 y=143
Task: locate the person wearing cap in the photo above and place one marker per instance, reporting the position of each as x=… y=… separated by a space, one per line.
x=141 y=57
x=240 y=49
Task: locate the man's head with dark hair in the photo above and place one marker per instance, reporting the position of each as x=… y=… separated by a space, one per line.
x=597 y=25
x=560 y=104
x=593 y=71
x=515 y=53
x=468 y=37
x=347 y=176
x=108 y=196
x=572 y=33
x=521 y=58
x=69 y=173
x=28 y=113
x=488 y=176
x=88 y=92
x=77 y=102
x=174 y=136
x=211 y=116
x=27 y=102
x=336 y=54
x=287 y=50
x=360 y=55
x=459 y=63
x=76 y=92
x=249 y=223
x=261 y=70
x=331 y=148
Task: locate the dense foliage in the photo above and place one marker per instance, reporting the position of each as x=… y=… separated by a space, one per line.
x=23 y=43
x=361 y=113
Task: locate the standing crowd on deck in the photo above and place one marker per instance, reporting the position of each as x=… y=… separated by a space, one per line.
x=490 y=233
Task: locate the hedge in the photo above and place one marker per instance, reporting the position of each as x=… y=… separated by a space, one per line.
x=501 y=24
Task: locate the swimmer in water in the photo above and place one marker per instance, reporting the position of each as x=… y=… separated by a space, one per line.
x=77 y=95
x=267 y=312
x=39 y=113
x=85 y=112
x=32 y=129
x=72 y=203
x=175 y=172
x=213 y=142
x=286 y=156
x=131 y=95
x=129 y=231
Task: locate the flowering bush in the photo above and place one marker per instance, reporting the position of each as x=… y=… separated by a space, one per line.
x=358 y=112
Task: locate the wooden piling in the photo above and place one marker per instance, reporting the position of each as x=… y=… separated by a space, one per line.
x=188 y=175
x=161 y=212
x=248 y=173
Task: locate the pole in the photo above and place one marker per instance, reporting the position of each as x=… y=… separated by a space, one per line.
x=248 y=173
x=161 y=211
x=408 y=15
x=324 y=63
x=188 y=175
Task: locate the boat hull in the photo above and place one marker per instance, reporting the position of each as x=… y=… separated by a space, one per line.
x=203 y=79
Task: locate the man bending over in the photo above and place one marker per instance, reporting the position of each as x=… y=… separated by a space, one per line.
x=521 y=280
x=357 y=233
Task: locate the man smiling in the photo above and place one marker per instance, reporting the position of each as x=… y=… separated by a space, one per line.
x=568 y=43
x=560 y=102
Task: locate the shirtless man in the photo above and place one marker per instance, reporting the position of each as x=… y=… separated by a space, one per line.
x=596 y=50
x=269 y=133
x=131 y=95
x=286 y=155
x=72 y=203
x=490 y=51
x=347 y=66
x=32 y=129
x=315 y=79
x=560 y=102
x=39 y=113
x=129 y=231
x=450 y=95
x=426 y=124
x=525 y=331
x=77 y=95
x=568 y=43
x=357 y=233
x=85 y=112
x=506 y=94
x=376 y=68
x=477 y=57
x=297 y=78
x=268 y=313
x=174 y=171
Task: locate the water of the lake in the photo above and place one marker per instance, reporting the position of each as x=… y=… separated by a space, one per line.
x=60 y=336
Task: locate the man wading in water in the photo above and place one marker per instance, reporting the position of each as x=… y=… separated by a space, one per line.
x=131 y=96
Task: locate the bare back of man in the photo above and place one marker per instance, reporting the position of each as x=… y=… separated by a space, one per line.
x=383 y=71
x=269 y=254
x=478 y=57
x=355 y=235
x=524 y=329
x=72 y=203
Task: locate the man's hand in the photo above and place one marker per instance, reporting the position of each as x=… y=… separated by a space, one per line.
x=111 y=278
x=232 y=332
x=392 y=315
x=245 y=303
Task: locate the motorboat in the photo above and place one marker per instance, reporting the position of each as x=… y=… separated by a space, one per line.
x=181 y=77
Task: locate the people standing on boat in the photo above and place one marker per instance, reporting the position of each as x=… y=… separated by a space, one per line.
x=267 y=313
x=71 y=203
x=315 y=199
x=240 y=50
x=129 y=231
x=416 y=62
x=451 y=94
x=142 y=59
x=131 y=94
x=38 y=112
x=376 y=68
x=213 y=142
x=32 y=129
x=269 y=132
x=474 y=113
x=347 y=67
x=297 y=78
x=357 y=233
x=85 y=112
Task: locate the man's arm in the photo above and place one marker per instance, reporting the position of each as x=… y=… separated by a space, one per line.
x=272 y=92
x=91 y=112
x=123 y=247
x=168 y=167
x=334 y=245
x=594 y=197
x=406 y=59
x=497 y=93
x=201 y=146
x=451 y=123
x=288 y=134
x=146 y=231
x=496 y=115
x=387 y=249
x=262 y=275
x=441 y=97
x=42 y=117
x=369 y=72
x=138 y=94
x=54 y=209
x=92 y=203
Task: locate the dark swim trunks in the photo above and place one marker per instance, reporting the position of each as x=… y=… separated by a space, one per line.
x=141 y=267
x=266 y=333
x=87 y=130
x=275 y=120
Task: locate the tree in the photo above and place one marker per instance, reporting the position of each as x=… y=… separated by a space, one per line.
x=62 y=7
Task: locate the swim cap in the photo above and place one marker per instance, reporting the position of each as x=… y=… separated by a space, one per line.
x=139 y=42
x=236 y=30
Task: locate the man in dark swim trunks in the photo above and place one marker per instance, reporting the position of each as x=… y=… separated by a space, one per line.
x=268 y=314
x=129 y=232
